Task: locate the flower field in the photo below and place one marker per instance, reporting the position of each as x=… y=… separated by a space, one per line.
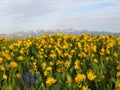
x=60 y=62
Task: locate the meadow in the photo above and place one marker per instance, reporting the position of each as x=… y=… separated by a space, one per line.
x=60 y=62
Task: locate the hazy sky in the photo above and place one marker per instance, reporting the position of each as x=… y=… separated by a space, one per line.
x=95 y=15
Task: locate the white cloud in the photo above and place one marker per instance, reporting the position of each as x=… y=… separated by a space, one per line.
x=104 y=19
x=52 y=13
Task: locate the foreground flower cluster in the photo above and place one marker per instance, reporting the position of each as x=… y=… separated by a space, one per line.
x=60 y=62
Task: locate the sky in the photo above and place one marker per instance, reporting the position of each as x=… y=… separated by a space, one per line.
x=93 y=15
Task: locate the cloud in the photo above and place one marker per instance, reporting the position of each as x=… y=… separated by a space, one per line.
x=59 y=14
x=106 y=19
x=27 y=9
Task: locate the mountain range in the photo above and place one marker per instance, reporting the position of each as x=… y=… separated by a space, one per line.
x=24 y=34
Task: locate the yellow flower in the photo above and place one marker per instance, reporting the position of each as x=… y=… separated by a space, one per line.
x=94 y=48
x=21 y=51
x=77 y=64
x=115 y=54
x=77 y=67
x=93 y=55
x=53 y=55
x=20 y=58
x=66 y=54
x=102 y=77
x=50 y=81
x=107 y=51
x=118 y=74
x=80 y=78
x=67 y=64
x=44 y=64
x=1 y=59
x=46 y=73
x=51 y=63
x=2 y=68
x=49 y=68
x=102 y=50
x=65 y=46
x=18 y=75
x=107 y=58
x=5 y=77
x=90 y=75
x=118 y=86
x=85 y=88
x=118 y=67
x=13 y=64
x=59 y=62
x=59 y=69
x=69 y=56
x=95 y=60
x=69 y=81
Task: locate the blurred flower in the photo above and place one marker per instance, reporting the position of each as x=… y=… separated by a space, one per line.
x=20 y=58
x=85 y=88
x=90 y=75
x=80 y=78
x=5 y=77
x=67 y=64
x=69 y=81
x=18 y=75
x=49 y=68
x=46 y=73
x=50 y=81
x=2 y=68
x=27 y=78
x=115 y=54
x=13 y=64
x=1 y=59
x=95 y=60
x=118 y=74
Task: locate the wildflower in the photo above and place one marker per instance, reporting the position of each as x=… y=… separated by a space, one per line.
x=77 y=64
x=46 y=73
x=118 y=86
x=28 y=78
x=107 y=51
x=51 y=63
x=65 y=46
x=59 y=62
x=80 y=78
x=1 y=59
x=95 y=60
x=80 y=86
x=107 y=58
x=5 y=77
x=53 y=55
x=85 y=88
x=20 y=58
x=21 y=51
x=2 y=68
x=49 y=68
x=90 y=75
x=67 y=64
x=59 y=69
x=44 y=64
x=13 y=64
x=102 y=77
x=69 y=80
x=115 y=54
x=94 y=47
x=118 y=67
x=18 y=75
x=69 y=56
x=50 y=81
x=118 y=74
